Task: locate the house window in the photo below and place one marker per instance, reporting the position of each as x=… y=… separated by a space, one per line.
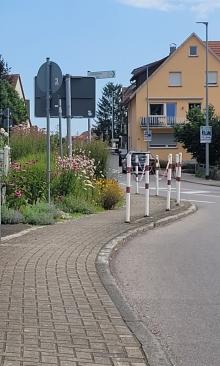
x=212 y=78
x=163 y=140
x=195 y=105
x=175 y=79
x=193 y=51
x=156 y=109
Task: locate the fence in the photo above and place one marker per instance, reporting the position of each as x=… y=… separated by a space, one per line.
x=146 y=174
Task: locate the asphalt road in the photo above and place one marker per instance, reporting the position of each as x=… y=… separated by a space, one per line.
x=171 y=278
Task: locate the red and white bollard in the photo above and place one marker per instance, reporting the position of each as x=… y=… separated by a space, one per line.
x=169 y=176
x=179 y=159
x=147 y=185
x=128 y=190
x=157 y=167
x=136 y=173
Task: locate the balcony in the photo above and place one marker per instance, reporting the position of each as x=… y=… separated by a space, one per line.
x=160 y=121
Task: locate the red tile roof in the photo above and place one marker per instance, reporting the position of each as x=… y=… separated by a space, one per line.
x=13 y=78
x=215 y=47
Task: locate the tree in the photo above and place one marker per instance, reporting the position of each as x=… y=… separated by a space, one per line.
x=9 y=98
x=4 y=69
x=189 y=135
x=111 y=97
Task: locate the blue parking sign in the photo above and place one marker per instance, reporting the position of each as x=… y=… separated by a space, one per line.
x=205 y=134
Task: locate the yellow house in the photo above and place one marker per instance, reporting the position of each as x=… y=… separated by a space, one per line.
x=162 y=92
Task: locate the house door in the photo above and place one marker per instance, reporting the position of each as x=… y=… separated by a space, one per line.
x=171 y=109
x=171 y=113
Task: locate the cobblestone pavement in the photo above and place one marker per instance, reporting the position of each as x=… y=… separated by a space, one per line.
x=53 y=308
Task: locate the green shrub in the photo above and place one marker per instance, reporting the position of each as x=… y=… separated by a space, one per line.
x=11 y=216
x=73 y=204
x=110 y=193
x=65 y=183
x=40 y=214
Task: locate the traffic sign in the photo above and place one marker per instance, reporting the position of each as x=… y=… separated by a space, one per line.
x=148 y=135
x=205 y=134
x=82 y=99
x=102 y=74
x=56 y=77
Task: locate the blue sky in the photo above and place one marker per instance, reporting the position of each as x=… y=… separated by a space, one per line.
x=94 y=35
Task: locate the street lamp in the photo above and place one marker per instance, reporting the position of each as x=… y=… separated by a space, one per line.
x=207 y=102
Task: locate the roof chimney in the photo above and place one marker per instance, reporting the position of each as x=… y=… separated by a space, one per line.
x=172 y=48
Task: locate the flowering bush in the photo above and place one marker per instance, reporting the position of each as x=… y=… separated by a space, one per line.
x=79 y=163
x=26 y=183
x=96 y=150
x=110 y=193
x=3 y=137
x=73 y=176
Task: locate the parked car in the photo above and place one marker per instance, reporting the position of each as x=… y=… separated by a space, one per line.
x=141 y=158
x=122 y=154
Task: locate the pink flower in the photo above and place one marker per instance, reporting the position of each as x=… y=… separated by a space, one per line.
x=18 y=194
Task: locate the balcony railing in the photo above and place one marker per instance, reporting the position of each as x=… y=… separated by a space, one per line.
x=160 y=121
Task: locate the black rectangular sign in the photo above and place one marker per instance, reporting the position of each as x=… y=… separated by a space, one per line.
x=83 y=91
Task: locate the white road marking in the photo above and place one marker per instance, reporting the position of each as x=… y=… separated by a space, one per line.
x=198 y=201
x=196 y=192
x=208 y=195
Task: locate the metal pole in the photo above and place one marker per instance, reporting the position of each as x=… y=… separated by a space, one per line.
x=8 y=122
x=147 y=185
x=48 y=125
x=112 y=117
x=169 y=176
x=60 y=129
x=207 y=107
x=157 y=167
x=136 y=173
x=147 y=107
x=128 y=190
x=207 y=101
x=89 y=129
x=68 y=114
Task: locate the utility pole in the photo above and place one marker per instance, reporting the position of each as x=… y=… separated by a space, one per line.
x=48 y=124
x=147 y=107
x=207 y=101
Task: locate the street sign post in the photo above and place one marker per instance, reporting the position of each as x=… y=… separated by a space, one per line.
x=56 y=77
x=148 y=135
x=102 y=74
x=49 y=80
x=205 y=134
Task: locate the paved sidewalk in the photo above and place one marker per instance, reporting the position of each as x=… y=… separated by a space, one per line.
x=193 y=179
x=53 y=308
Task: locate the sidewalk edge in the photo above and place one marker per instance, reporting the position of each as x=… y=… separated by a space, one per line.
x=151 y=347
x=201 y=183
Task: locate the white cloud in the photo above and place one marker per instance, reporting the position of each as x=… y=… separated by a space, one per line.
x=201 y=7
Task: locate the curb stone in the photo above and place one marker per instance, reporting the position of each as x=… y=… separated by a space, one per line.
x=209 y=184
x=151 y=346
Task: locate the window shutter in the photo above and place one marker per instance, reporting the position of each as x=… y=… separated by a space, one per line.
x=175 y=78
